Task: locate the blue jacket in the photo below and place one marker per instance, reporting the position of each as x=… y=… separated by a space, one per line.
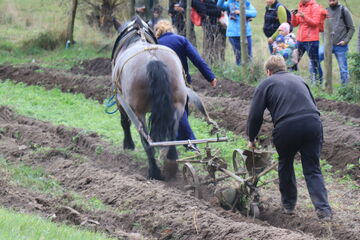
x=184 y=49
x=233 y=29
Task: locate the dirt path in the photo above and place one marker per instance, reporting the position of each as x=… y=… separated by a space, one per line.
x=342 y=138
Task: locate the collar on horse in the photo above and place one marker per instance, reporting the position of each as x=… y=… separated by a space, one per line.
x=135 y=27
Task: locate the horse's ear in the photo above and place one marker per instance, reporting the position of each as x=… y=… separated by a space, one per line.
x=117 y=24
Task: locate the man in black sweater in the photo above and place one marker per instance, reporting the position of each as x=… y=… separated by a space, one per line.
x=297 y=127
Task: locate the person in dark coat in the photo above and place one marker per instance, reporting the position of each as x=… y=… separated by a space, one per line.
x=164 y=31
x=297 y=128
x=177 y=11
x=143 y=8
x=156 y=11
x=214 y=33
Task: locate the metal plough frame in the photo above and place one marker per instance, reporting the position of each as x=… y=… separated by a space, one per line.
x=247 y=181
x=151 y=143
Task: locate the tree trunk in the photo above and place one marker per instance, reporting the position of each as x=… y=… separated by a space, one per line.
x=188 y=19
x=132 y=8
x=244 y=43
x=328 y=56
x=70 y=28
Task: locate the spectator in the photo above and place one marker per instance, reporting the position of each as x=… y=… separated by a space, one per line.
x=275 y=15
x=308 y=16
x=156 y=11
x=297 y=128
x=164 y=31
x=177 y=14
x=143 y=8
x=214 y=33
x=233 y=29
x=342 y=31
x=285 y=45
x=177 y=11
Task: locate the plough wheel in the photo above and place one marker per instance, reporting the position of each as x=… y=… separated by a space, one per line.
x=238 y=161
x=192 y=179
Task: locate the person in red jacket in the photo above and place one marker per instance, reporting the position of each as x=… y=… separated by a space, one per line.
x=308 y=17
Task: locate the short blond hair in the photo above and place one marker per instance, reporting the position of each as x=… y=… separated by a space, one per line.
x=163 y=26
x=275 y=63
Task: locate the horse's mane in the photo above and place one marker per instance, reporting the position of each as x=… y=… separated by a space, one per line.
x=135 y=24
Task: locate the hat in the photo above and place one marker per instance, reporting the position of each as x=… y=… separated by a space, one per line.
x=280 y=39
x=285 y=27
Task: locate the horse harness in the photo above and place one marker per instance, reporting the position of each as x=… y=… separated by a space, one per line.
x=146 y=36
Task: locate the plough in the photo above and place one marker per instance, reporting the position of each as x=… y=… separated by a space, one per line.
x=248 y=166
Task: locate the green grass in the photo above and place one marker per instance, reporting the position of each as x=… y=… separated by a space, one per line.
x=17 y=226
x=77 y=111
x=36 y=179
x=30 y=177
x=60 y=58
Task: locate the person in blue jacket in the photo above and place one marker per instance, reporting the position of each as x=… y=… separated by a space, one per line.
x=233 y=29
x=164 y=31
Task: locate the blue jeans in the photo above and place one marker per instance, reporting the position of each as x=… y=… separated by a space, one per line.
x=236 y=46
x=312 y=49
x=341 y=53
x=185 y=132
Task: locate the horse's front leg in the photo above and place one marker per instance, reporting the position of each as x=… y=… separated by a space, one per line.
x=154 y=171
x=126 y=123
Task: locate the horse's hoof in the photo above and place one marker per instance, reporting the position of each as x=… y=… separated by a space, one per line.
x=155 y=174
x=170 y=169
x=129 y=146
x=156 y=177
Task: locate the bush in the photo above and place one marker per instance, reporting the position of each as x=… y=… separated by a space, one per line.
x=254 y=72
x=49 y=40
x=351 y=91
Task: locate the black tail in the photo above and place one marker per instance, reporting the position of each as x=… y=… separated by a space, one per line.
x=162 y=119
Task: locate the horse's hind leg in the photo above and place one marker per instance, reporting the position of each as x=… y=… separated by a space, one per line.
x=125 y=123
x=170 y=164
x=154 y=171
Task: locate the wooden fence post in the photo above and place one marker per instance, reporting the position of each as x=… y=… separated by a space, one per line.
x=188 y=19
x=244 y=43
x=328 y=56
x=70 y=28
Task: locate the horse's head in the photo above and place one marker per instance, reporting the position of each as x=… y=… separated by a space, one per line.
x=131 y=31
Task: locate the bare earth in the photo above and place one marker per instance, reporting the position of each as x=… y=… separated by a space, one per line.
x=141 y=209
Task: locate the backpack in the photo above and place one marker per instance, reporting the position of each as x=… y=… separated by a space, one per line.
x=270 y=26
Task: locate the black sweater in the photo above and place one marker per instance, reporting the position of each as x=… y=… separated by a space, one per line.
x=285 y=95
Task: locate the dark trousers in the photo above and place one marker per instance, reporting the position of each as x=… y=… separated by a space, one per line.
x=185 y=132
x=304 y=134
x=236 y=46
x=312 y=49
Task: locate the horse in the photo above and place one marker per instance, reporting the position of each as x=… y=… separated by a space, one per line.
x=150 y=79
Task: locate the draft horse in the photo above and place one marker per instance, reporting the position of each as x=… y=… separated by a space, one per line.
x=149 y=77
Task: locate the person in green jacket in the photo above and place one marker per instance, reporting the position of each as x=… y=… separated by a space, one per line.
x=275 y=14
